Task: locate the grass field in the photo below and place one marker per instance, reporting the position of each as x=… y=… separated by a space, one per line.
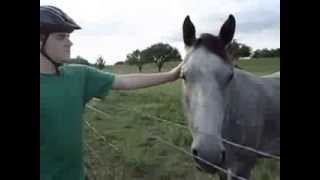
x=120 y=143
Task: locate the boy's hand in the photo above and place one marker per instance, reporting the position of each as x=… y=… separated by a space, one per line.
x=175 y=72
x=138 y=81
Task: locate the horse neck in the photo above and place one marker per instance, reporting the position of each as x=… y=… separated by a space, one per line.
x=239 y=126
x=244 y=86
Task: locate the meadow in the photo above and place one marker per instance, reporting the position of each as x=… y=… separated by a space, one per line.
x=126 y=133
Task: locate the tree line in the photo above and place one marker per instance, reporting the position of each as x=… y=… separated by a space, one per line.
x=160 y=53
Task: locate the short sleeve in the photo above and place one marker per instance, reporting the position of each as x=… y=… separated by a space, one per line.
x=97 y=83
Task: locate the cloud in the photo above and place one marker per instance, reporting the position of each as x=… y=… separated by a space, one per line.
x=115 y=28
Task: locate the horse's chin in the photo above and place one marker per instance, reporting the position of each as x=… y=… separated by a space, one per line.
x=206 y=168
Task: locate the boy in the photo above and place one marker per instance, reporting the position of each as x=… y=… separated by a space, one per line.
x=64 y=91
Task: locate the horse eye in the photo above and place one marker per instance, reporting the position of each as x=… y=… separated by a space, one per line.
x=183 y=76
x=230 y=77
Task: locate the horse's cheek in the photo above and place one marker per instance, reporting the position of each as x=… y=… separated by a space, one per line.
x=188 y=92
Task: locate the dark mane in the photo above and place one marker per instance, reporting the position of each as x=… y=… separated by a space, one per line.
x=214 y=44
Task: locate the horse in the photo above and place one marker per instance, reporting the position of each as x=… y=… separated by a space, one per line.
x=224 y=102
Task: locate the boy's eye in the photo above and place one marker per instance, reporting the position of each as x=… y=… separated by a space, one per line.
x=62 y=36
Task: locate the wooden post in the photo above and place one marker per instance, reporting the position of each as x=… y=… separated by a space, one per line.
x=229 y=177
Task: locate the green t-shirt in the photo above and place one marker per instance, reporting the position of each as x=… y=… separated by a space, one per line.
x=62 y=100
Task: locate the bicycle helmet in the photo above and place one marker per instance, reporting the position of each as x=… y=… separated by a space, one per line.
x=53 y=20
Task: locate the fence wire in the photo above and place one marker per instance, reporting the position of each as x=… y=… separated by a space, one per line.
x=228 y=172
x=264 y=154
x=99 y=136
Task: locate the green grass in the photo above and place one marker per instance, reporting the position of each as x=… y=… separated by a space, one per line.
x=261 y=66
x=127 y=125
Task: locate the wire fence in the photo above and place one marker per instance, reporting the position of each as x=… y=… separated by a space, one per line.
x=220 y=138
x=99 y=136
x=95 y=156
x=228 y=172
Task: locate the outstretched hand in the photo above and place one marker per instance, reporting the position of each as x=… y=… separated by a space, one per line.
x=175 y=72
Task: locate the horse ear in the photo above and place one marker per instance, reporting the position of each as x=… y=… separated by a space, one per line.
x=189 y=32
x=227 y=30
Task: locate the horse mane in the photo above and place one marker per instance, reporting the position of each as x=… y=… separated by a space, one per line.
x=215 y=45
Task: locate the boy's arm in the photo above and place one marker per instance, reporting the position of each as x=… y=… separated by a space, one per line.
x=137 y=81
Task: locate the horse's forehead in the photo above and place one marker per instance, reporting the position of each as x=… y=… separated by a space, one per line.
x=202 y=59
x=213 y=44
x=207 y=51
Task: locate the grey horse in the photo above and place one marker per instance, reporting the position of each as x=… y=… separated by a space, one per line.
x=223 y=102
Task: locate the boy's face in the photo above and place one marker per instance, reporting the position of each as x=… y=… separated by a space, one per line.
x=58 y=47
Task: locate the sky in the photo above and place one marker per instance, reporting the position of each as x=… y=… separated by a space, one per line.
x=113 y=29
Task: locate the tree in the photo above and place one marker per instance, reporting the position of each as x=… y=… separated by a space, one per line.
x=259 y=53
x=276 y=52
x=237 y=50
x=233 y=49
x=161 y=53
x=161 y=50
x=79 y=60
x=159 y=61
x=136 y=58
x=158 y=53
x=100 y=63
x=119 y=63
x=244 y=51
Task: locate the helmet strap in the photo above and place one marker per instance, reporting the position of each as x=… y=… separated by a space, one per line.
x=45 y=54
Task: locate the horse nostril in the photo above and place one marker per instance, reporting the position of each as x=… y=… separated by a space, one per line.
x=195 y=152
x=223 y=156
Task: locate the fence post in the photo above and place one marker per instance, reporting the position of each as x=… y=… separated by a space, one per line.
x=229 y=175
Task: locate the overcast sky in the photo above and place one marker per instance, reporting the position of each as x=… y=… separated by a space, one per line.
x=112 y=29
